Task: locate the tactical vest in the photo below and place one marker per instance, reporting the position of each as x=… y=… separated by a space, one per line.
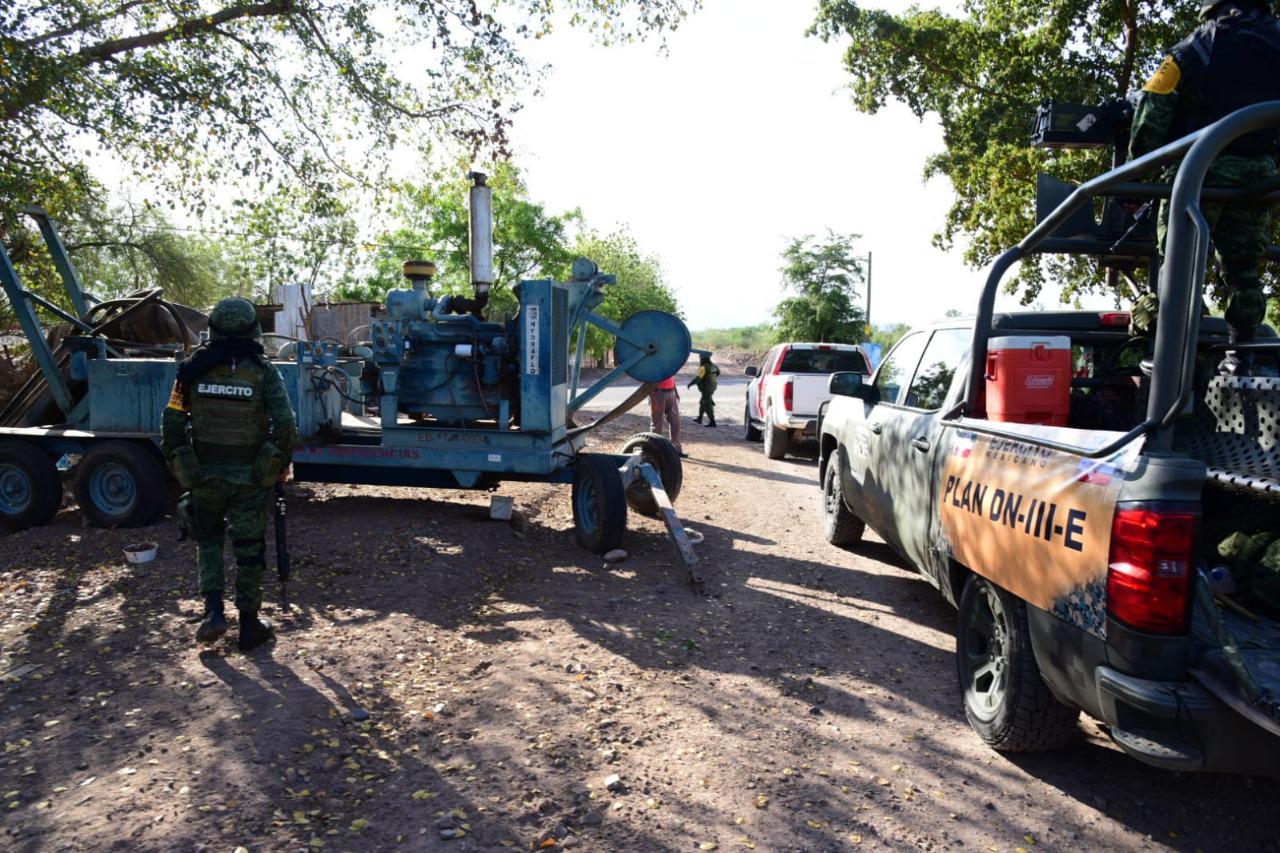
x=229 y=413
x=710 y=379
x=1229 y=63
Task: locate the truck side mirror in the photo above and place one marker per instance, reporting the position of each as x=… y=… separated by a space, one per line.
x=848 y=383
x=753 y=371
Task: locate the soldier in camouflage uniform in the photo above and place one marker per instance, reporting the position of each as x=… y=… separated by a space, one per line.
x=228 y=433
x=706 y=380
x=1229 y=62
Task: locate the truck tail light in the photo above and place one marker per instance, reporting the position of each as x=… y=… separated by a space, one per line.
x=1114 y=319
x=1149 y=571
x=788 y=395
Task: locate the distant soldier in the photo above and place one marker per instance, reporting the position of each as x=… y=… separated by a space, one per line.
x=1231 y=61
x=228 y=433
x=664 y=410
x=706 y=380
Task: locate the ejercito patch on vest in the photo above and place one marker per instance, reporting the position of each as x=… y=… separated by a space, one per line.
x=217 y=389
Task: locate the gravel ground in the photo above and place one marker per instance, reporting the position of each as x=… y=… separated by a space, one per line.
x=448 y=682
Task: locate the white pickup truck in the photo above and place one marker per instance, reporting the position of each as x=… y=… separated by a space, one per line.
x=788 y=389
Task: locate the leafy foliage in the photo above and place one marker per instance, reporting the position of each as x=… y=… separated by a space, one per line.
x=887 y=336
x=752 y=339
x=431 y=221
x=641 y=283
x=982 y=73
x=295 y=103
x=822 y=274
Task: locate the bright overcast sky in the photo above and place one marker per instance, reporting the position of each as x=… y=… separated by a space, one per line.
x=738 y=138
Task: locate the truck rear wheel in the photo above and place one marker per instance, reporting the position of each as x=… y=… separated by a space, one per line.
x=1005 y=699
x=120 y=484
x=775 y=439
x=599 y=503
x=30 y=488
x=839 y=525
x=749 y=431
x=665 y=459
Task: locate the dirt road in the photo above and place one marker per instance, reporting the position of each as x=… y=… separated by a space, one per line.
x=454 y=683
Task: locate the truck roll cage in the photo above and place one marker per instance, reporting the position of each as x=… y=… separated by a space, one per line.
x=1181 y=280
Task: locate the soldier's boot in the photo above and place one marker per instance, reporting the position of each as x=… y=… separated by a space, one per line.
x=698 y=419
x=214 y=625
x=711 y=420
x=253 y=631
x=1246 y=308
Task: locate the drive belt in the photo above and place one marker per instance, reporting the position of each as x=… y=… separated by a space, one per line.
x=614 y=413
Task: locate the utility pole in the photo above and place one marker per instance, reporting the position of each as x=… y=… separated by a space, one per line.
x=868 y=293
x=868 y=279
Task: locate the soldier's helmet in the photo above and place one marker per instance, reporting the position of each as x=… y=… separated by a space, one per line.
x=705 y=358
x=1208 y=7
x=234 y=317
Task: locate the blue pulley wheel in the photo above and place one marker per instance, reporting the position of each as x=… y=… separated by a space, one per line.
x=660 y=338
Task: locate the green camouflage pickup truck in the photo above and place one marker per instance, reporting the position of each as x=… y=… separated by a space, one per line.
x=1119 y=558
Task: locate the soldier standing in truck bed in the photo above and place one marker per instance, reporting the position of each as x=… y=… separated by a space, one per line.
x=1231 y=61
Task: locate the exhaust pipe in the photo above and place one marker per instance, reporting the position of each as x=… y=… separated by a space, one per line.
x=481 y=251
x=481 y=237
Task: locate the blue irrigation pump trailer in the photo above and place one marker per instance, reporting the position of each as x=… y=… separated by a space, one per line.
x=437 y=397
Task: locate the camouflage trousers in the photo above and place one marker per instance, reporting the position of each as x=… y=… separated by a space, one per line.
x=706 y=406
x=224 y=508
x=1241 y=234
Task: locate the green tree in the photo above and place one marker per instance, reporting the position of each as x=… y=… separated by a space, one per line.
x=302 y=97
x=641 y=283
x=981 y=73
x=431 y=220
x=822 y=275
x=190 y=90
x=887 y=336
x=291 y=237
x=137 y=248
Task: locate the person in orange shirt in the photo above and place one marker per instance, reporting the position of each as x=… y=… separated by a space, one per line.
x=664 y=408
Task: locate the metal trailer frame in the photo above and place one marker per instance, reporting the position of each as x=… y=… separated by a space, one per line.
x=387 y=453
x=1181 y=280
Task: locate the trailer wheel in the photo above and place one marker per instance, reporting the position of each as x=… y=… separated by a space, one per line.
x=775 y=439
x=599 y=503
x=1005 y=698
x=30 y=488
x=750 y=432
x=665 y=459
x=120 y=484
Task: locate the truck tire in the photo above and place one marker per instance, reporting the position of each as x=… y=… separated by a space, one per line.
x=121 y=484
x=30 y=488
x=1005 y=699
x=749 y=431
x=840 y=526
x=665 y=459
x=599 y=503
x=775 y=439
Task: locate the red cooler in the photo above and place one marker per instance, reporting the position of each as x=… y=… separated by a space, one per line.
x=1029 y=379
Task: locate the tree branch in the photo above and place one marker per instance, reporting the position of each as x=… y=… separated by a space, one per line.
x=181 y=31
x=80 y=25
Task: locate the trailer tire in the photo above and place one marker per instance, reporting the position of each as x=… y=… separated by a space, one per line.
x=750 y=432
x=121 y=484
x=840 y=526
x=1006 y=701
x=665 y=459
x=30 y=487
x=775 y=439
x=599 y=503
